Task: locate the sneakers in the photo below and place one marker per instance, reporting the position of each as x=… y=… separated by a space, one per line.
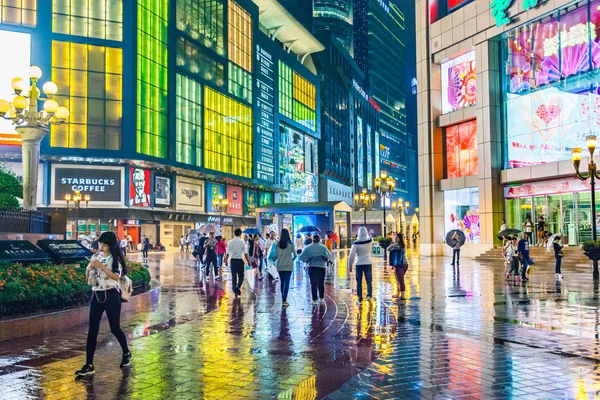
x=314 y=302
x=517 y=278
x=237 y=291
x=323 y=301
x=507 y=275
x=126 y=361
x=285 y=303
x=369 y=298
x=87 y=369
x=218 y=278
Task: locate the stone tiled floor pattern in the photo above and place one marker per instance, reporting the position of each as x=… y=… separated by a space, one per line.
x=466 y=335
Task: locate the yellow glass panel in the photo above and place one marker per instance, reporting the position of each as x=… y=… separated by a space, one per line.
x=60 y=54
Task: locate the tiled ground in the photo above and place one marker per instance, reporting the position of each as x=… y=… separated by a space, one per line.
x=466 y=334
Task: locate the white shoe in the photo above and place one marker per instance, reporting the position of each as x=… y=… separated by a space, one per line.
x=557 y=277
x=560 y=276
x=314 y=303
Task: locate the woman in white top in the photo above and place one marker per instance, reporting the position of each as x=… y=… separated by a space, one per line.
x=104 y=274
x=361 y=251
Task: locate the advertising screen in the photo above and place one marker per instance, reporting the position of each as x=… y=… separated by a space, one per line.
x=359 y=153
x=213 y=190
x=459 y=83
x=139 y=187
x=236 y=200
x=301 y=221
x=162 y=191
x=369 y=158
x=461 y=150
x=103 y=184
x=20 y=60
x=250 y=198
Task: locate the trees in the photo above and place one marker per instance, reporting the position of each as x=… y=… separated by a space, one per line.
x=11 y=189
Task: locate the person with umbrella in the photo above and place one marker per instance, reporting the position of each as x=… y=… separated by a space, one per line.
x=455 y=244
x=210 y=255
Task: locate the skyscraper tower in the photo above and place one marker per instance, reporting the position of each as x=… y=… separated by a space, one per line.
x=334 y=17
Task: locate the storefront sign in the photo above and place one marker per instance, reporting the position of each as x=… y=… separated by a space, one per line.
x=250 y=198
x=265 y=102
x=190 y=195
x=64 y=250
x=213 y=190
x=377 y=154
x=21 y=250
x=224 y=220
x=555 y=186
x=265 y=198
x=499 y=8
x=162 y=191
x=364 y=94
x=235 y=197
x=369 y=158
x=334 y=191
x=103 y=184
x=139 y=187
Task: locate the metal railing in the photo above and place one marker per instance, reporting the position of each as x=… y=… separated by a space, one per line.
x=24 y=221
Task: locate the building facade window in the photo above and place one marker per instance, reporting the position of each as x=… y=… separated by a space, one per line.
x=461 y=211
x=193 y=59
x=286 y=90
x=240 y=36
x=239 y=83
x=459 y=84
x=101 y=19
x=202 y=20
x=19 y=12
x=461 y=150
x=152 y=56
x=89 y=79
x=297 y=97
x=189 y=121
x=227 y=134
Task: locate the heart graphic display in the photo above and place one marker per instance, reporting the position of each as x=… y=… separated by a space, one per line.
x=548 y=113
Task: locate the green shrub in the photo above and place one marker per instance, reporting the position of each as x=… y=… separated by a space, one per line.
x=10 y=189
x=590 y=245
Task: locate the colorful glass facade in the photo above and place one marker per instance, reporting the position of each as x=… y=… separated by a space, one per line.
x=227 y=134
x=195 y=60
x=239 y=83
x=152 y=56
x=202 y=20
x=297 y=97
x=240 y=36
x=89 y=79
x=189 y=121
x=18 y=12
x=286 y=90
x=100 y=19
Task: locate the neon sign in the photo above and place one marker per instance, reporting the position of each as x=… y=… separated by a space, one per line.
x=499 y=8
x=365 y=95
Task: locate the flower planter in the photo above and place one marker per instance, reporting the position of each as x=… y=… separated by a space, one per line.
x=592 y=253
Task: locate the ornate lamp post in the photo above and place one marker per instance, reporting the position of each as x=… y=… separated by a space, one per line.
x=364 y=202
x=220 y=205
x=76 y=199
x=592 y=175
x=384 y=186
x=32 y=125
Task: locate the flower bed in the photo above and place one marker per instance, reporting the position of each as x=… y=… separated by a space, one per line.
x=26 y=289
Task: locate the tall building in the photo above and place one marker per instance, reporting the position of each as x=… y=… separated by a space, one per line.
x=381 y=52
x=173 y=104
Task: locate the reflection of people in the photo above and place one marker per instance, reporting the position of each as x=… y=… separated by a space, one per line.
x=140 y=198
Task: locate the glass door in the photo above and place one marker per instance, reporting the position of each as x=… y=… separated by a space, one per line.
x=540 y=214
x=569 y=219
x=584 y=216
x=554 y=222
x=526 y=211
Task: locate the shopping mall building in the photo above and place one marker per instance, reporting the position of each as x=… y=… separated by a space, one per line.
x=506 y=90
x=172 y=103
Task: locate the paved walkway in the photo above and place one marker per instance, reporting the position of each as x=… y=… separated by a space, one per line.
x=463 y=334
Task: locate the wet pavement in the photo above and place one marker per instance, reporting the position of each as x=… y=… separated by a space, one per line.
x=467 y=334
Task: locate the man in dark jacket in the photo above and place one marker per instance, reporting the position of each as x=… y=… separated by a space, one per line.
x=523 y=248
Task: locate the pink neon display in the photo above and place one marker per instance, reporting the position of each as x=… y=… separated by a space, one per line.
x=461 y=150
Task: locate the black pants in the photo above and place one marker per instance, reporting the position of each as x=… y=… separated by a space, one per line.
x=558 y=262
x=514 y=266
x=317 y=282
x=145 y=252
x=109 y=301
x=211 y=258
x=367 y=271
x=455 y=256
x=285 y=277
x=124 y=250
x=237 y=272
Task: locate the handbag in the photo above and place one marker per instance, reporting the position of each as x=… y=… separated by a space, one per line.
x=126 y=288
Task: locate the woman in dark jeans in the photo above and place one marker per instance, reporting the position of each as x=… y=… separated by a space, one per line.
x=283 y=255
x=316 y=255
x=398 y=262
x=103 y=274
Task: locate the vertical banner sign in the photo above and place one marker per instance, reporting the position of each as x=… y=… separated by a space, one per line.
x=250 y=198
x=377 y=154
x=359 y=153
x=369 y=158
x=213 y=190
x=139 y=187
x=265 y=101
x=234 y=195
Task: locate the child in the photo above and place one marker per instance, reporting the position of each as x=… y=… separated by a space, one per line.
x=512 y=255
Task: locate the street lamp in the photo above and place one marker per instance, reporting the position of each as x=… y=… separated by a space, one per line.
x=76 y=199
x=384 y=186
x=591 y=174
x=220 y=205
x=401 y=208
x=32 y=125
x=364 y=202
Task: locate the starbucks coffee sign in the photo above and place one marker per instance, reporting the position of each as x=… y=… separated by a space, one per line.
x=103 y=184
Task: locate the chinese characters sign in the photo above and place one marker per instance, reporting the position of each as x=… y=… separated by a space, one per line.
x=499 y=9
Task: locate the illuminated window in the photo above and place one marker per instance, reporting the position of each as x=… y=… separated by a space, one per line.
x=227 y=134
x=202 y=20
x=152 y=55
x=240 y=83
x=297 y=97
x=89 y=80
x=189 y=121
x=102 y=19
x=194 y=60
x=240 y=36
x=18 y=12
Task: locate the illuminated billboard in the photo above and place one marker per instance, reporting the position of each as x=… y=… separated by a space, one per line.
x=461 y=150
x=459 y=83
x=20 y=60
x=359 y=152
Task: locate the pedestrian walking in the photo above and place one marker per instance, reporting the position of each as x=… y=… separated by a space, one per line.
x=414 y=239
x=361 y=251
x=455 y=249
x=502 y=226
x=145 y=248
x=210 y=256
x=299 y=244
x=221 y=250
x=541 y=227
x=201 y=250
x=283 y=255
x=528 y=228
x=399 y=262
x=187 y=243
x=558 y=255
x=511 y=254
x=236 y=253
x=268 y=244
x=124 y=244
x=254 y=254
x=316 y=256
x=181 y=244
x=130 y=242
x=523 y=249
x=103 y=274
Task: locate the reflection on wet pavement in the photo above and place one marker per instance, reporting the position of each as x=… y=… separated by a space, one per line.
x=461 y=334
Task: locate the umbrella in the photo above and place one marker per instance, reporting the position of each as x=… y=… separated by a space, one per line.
x=85 y=237
x=309 y=229
x=450 y=234
x=251 y=231
x=507 y=232
x=549 y=245
x=330 y=232
x=208 y=228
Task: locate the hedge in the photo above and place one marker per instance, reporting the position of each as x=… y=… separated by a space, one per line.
x=47 y=287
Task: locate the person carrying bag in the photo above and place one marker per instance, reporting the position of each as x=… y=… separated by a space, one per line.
x=399 y=262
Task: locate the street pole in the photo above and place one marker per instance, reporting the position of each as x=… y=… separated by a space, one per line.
x=76 y=221
x=365 y=215
x=384 y=224
x=32 y=137
x=596 y=273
